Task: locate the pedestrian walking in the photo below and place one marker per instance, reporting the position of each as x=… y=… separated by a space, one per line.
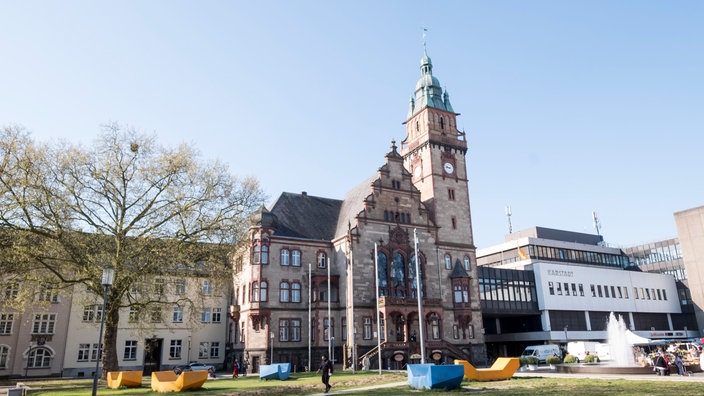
x=326 y=368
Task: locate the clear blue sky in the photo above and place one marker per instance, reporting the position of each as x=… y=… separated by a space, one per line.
x=570 y=106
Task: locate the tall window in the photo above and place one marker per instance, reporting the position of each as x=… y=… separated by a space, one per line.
x=180 y=286
x=12 y=290
x=451 y=194
x=295 y=292
x=159 y=286
x=398 y=275
x=255 y=292
x=296 y=258
x=177 y=316
x=39 y=358
x=265 y=254
x=217 y=315
x=133 y=315
x=156 y=315
x=329 y=329
x=295 y=329
x=214 y=350
x=44 y=324
x=6 y=321
x=205 y=315
x=467 y=266
x=461 y=294
x=257 y=252
x=284 y=257
x=284 y=329
x=263 y=289
x=382 y=267
x=83 y=352
x=204 y=350
x=435 y=328
x=4 y=355
x=48 y=293
x=207 y=287
x=322 y=260
x=343 y=328
x=448 y=261
x=175 y=349
x=367 y=328
x=261 y=254
x=130 y=350
x=284 y=292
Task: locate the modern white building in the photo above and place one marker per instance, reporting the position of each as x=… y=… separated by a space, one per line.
x=551 y=286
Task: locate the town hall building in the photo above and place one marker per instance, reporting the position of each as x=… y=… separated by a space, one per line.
x=316 y=269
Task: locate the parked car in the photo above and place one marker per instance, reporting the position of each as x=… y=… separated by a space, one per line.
x=197 y=366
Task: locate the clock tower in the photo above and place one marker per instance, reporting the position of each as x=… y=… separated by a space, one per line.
x=434 y=152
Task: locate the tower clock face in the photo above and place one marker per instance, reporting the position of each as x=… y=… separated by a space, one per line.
x=448 y=167
x=416 y=171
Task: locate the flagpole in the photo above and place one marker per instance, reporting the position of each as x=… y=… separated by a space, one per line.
x=378 y=315
x=421 y=321
x=310 y=325
x=354 y=340
x=329 y=317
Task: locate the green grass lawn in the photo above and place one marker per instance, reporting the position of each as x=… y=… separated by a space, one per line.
x=306 y=384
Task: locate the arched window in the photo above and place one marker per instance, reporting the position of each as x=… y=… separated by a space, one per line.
x=296 y=258
x=442 y=123
x=284 y=292
x=39 y=358
x=257 y=254
x=265 y=254
x=263 y=288
x=434 y=327
x=284 y=257
x=466 y=263
x=255 y=291
x=398 y=275
x=4 y=355
x=295 y=292
x=448 y=261
x=382 y=268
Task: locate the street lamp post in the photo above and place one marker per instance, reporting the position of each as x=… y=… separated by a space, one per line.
x=29 y=356
x=108 y=277
x=332 y=349
x=271 y=336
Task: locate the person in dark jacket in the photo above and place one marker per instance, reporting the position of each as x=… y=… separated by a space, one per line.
x=661 y=365
x=326 y=368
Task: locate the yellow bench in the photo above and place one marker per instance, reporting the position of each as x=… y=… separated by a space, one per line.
x=503 y=368
x=168 y=381
x=132 y=379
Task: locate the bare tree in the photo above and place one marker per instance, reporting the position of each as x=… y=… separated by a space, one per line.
x=66 y=211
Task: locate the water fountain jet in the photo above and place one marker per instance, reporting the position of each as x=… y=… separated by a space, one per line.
x=621 y=350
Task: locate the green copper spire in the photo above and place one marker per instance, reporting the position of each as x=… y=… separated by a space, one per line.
x=428 y=91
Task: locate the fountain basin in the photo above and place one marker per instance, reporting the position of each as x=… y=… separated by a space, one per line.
x=597 y=368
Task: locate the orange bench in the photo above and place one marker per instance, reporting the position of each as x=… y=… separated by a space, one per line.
x=131 y=379
x=168 y=381
x=503 y=368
